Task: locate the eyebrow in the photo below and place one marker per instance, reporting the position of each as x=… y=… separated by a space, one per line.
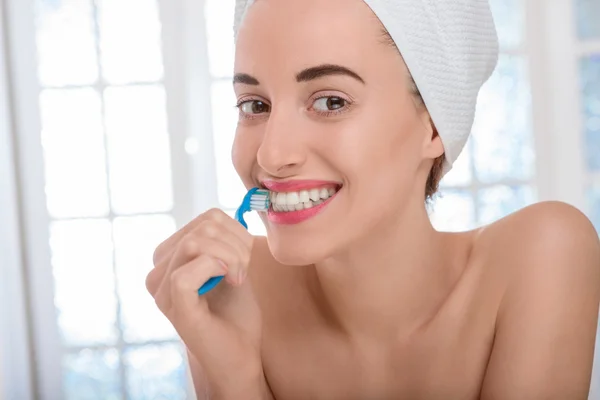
x=245 y=79
x=320 y=71
x=305 y=75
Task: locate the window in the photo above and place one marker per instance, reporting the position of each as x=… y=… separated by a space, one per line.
x=587 y=53
x=124 y=118
x=219 y=28
x=108 y=196
x=588 y=49
x=496 y=173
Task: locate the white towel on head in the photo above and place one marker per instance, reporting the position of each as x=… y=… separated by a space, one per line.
x=450 y=47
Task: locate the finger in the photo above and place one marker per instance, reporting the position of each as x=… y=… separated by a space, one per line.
x=235 y=227
x=223 y=246
x=216 y=219
x=154 y=279
x=214 y=236
x=166 y=247
x=234 y=260
x=216 y=215
x=226 y=246
x=156 y=275
x=184 y=284
x=187 y=249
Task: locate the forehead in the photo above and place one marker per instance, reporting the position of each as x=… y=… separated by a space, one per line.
x=308 y=31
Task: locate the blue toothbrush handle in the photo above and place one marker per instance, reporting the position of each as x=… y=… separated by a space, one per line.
x=214 y=281
x=209 y=285
x=239 y=216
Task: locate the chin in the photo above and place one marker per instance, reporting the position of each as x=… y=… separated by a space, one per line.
x=298 y=250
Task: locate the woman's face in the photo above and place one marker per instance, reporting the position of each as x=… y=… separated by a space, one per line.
x=325 y=109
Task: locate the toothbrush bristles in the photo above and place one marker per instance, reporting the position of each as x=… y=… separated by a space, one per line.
x=260 y=200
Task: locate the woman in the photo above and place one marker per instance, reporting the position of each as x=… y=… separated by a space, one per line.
x=377 y=305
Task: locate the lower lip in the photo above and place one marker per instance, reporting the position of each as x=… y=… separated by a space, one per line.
x=295 y=217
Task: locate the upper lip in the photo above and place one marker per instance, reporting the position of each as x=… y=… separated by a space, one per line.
x=297 y=185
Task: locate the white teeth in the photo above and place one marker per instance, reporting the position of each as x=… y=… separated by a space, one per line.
x=302 y=200
x=314 y=194
x=292 y=198
x=281 y=199
x=304 y=196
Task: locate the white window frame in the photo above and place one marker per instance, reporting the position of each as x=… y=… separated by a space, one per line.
x=552 y=52
x=16 y=379
x=556 y=98
x=185 y=52
x=34 y=223
x=36 y=366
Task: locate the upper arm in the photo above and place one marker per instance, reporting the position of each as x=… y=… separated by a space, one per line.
x=546 y=325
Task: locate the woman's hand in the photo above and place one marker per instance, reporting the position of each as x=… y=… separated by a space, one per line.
x=222 y=329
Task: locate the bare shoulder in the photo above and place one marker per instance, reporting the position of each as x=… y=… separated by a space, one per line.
x=554 y=235
x=552 y=216
x=546 y=323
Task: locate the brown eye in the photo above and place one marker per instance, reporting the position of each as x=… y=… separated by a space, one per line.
x=254 y=107
x=329 y=104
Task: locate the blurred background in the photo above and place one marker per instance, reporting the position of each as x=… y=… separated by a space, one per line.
x=116 y=121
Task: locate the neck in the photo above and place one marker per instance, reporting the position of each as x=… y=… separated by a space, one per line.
x=387 y=283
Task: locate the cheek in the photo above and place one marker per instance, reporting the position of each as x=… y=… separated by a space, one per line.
x=383 y=157
x=379 y=147
x=243 y=153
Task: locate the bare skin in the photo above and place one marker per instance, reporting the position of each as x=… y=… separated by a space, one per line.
x=366 y=300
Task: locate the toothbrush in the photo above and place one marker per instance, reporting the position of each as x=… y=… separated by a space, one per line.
x=255 y=200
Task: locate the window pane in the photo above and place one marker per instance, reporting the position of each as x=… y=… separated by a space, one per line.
x=156 y=372
x=219 y=30
x=588 y=15
x=83 y=272
x=231 y=191
x=460 y=174
x=499 y=201
x=66 y=42
x=92 y=375
x=594 y=201
x=130 y=39
x=74 y=153
x=502 y=137
x=508 y=17
x=453 y=210
x=139 y=155
x=590 y=75
x=135 y=241
x=255 y=224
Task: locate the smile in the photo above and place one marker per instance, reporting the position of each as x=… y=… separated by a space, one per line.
x=295 y=202
x=302 y=200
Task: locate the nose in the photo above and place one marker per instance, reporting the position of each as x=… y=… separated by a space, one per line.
x=282 y=151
